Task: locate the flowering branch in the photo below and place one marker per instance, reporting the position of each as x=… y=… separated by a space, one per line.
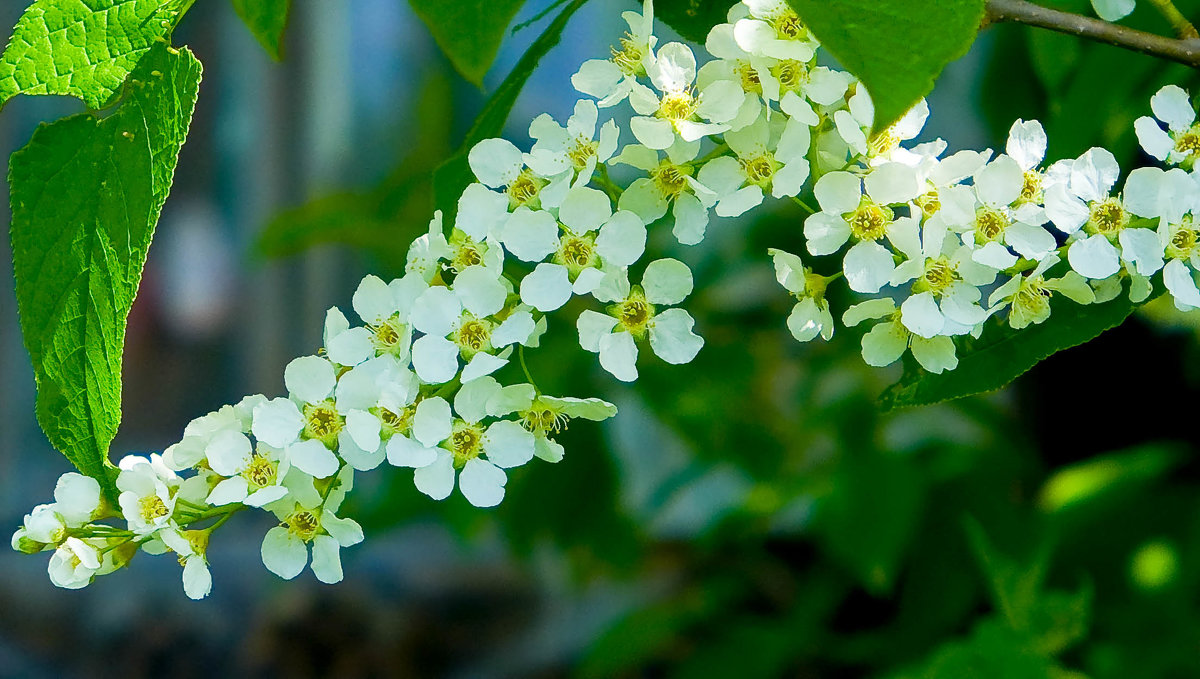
x=1185 y=50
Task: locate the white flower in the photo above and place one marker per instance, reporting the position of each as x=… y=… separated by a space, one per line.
x=1180 y=142
x=285 y=548
x=1028 y=295
x=473 y=454
x=855 y=122
x=574 y=147
x=810 y=317
x=990 y=227
x=377 y=397
x=384 y=308
x=1181 y=242
x=428 y=250
x=846 y=212
x=887 y=341
x=458 y=321
x=196 y=436
x=147 y=496
x=679 y=112
x=945 y=294
x=612 y=80
x=671 y=184
x=74 y=564
x=253 y=477
x=774 y=29
x=308 y=432
x=544 y=416
x=762 y=164
x=635 y=315
x=501 y=165
x=76 y=498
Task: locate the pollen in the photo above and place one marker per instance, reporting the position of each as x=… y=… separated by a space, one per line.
x=749 y=77
x=789 y=27
x=468 y=253
x=938 y=276
x=678 y=106
x=473 y=335
x=629 y=57
x=869 y=221
x=577 y=252
x=322 y=422
x=1032 y=299
x=465 y=442
x=883 y=142
x=1108 y=217
x=759 y=169
x=989 y=225
x=929 y=202
x=524 y=189
x=581 y=151
x=303 y=524
x=153 y=508
x=388 y=335
x=1188 y=143
x=634 y=313
x=543 y=420
x=791 y=74
x=260 y=473
x=1031 y=187
x=396 y=423
x=671 y=179
x=1183 y=241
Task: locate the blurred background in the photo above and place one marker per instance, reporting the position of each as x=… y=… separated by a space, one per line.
x=752 y=515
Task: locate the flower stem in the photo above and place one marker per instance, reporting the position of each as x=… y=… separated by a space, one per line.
x=525 y=367
x=1183 y=28
x=804 y=205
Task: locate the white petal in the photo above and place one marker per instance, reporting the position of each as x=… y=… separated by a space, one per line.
x=691 y=219
x=1154 y=139
x=480 y=365
x=893 y=183
x=433 y=421
x=405 y=452
x=435 y=359
x=825 y=233
x=999 y=182
x=313 y=458
x=436 y=311
x=672 y=339
x=1172 y=105
x=277 y=422
x=1094 y=257
x=935 y=355
x=364 y=428
x=585 y=209
x=480 y=290
x=228 y=453
x=197 y=581
x=1027 y=143
x=655 y=133
x=1031 y=242
x=884 y=344
x=594 y=326
x=868 y=267
x=531 y=235
x=327 y=559
x=838 y=192
x=1182 y=284
x=667 y=281
x=361 y=459
x=495 y=162
x=437 y=479
x=481 y=211
x=1144 y=248
x=921 y=315
x=284 y=554
x=507 y=444
x=622 y=239
x=373 y=300
x=351 y=347
x=618 y=355
x=228 y=491
x=310 y=378
x=482 y=483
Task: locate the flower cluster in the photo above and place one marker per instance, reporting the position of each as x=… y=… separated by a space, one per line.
x=425 y=379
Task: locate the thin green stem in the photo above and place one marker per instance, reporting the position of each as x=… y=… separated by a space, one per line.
x=804 y=205
x=605 y=182
x=1183 y=28
x=525 y=367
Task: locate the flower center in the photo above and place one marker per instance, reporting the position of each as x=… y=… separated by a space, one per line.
x=396 y=423
x=577 y=252
x=938 y=276
x=303 y=524
x=473 y=335
x=678 y=106
x=542 y=420
x=581 y=151
x=1188 y=143
x=929 y=202
x=989 y=224
x=759 y=169
x=791 y=74
x=869 y=221
x=524 y=189
x=749 y=77
x=153 y=508
x=789 y=27
x=629 y=57
x=260 y=473
x=465 y=442
x=634 y=313
x=388 y=336
x=322 y=422
x=883 y=143
x=1108 y=217
x=671 y=179
x=466 y=253
x=1031 y=187
x=1032 y=299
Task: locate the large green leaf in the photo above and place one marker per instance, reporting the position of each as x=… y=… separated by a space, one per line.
x=989 y=364
x=82 y=48
x=897 y=48
x=452 y=176
x=468 y=31
x=266 y=19
x=692 y=19
x=86 y=194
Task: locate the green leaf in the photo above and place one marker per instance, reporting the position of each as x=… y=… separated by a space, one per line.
x=81 y=48
x=86 y=194
x=452 y=176
x=468 y=31
x=692 y=19
x=267 y=20
x=988 y=365
x=897 y=48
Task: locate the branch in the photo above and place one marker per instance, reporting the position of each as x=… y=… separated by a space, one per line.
x=1022 y=12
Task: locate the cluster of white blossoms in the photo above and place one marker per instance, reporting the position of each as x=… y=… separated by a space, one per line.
x=942 y=244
